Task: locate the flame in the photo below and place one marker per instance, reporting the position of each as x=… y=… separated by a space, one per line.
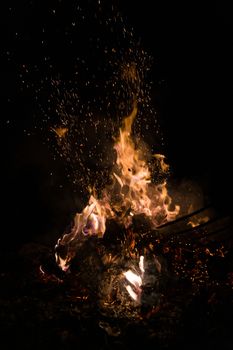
x=90 y=222
x=160 y=158
x=198 y=221
x=139 y=195
x=60 y=131
x=132 y=193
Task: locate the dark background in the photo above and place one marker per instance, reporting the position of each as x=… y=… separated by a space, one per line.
x=191 y=43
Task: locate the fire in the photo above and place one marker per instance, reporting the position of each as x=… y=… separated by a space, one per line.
x=138 y=194
x=60 y=131
x=198 y=221
x=131 y=193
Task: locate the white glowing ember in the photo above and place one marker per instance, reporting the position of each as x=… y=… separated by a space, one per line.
x=141 y=264
x=136 y=280
x=133 y=295
x=133 y=278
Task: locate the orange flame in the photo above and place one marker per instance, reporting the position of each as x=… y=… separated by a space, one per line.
x=198 y=221
x=132 y=193
x=139 y=195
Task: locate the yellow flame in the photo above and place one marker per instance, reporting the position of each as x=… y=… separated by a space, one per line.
x=134 y=177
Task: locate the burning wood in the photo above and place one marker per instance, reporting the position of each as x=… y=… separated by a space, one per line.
x=131 y=194
x=120 y=245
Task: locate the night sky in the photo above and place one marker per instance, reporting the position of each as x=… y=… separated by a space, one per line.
x=190 y=45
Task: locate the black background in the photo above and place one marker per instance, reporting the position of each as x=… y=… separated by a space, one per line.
x=191 y=43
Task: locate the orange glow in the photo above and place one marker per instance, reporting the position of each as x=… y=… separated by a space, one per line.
x=131 y=193
x=60 y=132
x=198 y=221
x=138 y=194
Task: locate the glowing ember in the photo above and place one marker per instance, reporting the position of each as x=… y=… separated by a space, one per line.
x=138 y=194
x=141 y=264
x=131 y=193
x=135 y=280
